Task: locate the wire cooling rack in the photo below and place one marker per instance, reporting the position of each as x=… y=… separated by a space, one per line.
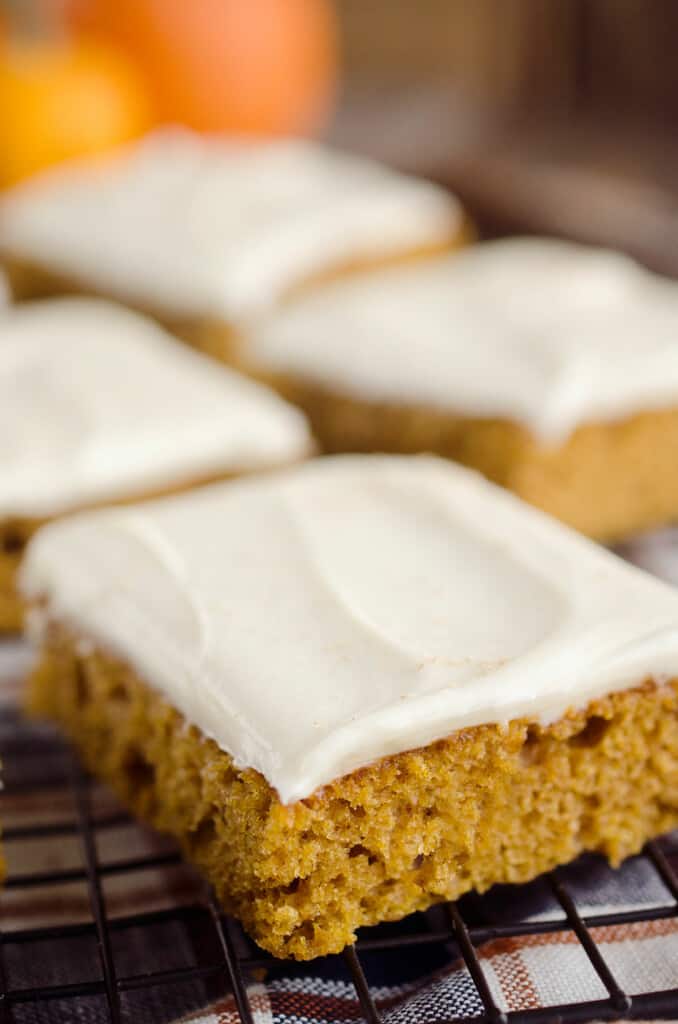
x=73 y=949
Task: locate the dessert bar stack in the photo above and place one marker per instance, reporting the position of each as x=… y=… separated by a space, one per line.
x=272 y=605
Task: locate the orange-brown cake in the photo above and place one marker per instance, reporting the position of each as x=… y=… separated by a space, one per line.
x=551 y=368
x=99 y=405
x=197 y=231
x=358 y=687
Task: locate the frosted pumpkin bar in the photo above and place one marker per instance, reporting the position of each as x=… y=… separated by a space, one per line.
x=550 y=367
x=361 y=686
x=99 y=405
x=204 y=233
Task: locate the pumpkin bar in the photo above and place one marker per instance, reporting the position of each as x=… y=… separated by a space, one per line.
x=549 y=367
x=358 y=687
x=99 y=405
x=204 y=233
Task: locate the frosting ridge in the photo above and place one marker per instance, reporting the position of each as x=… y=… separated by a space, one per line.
x=320 y=618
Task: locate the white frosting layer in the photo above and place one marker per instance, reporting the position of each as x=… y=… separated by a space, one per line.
x=315 y=620
x=545 y=333
x=98 y=403
x=190 y=226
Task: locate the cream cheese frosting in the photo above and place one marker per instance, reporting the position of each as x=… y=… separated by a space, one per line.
x=195 y=226
x=545 y=333
x=98 y=403
x=317 y=619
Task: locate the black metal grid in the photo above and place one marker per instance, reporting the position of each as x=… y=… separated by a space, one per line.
x=224 y=959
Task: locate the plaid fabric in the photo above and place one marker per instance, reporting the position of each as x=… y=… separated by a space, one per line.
x=414 y=983
x=526 y=973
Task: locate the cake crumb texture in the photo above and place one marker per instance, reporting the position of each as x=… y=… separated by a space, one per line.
x=486 y=805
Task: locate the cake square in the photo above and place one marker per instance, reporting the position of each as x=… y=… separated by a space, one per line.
x=549 y=367
x=361 y=686
x=204 y=233
x=100 y=405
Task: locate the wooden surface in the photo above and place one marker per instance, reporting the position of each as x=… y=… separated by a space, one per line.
x=533 y=55
x=597 y=179
x=545 y=115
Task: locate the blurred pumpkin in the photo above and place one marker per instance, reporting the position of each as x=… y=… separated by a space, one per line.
x=60 y=100
x=241 y=66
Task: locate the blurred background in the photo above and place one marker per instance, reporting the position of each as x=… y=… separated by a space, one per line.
x=545 y=115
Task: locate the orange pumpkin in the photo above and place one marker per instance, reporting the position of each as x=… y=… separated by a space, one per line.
x=61 y=100
x=242 y=66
